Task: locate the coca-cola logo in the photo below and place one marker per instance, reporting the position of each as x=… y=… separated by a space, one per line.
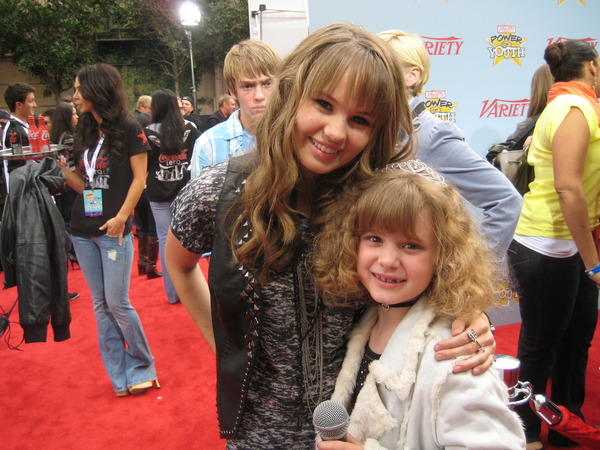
x=102 y=162
x=165 y=159
x=45 y=135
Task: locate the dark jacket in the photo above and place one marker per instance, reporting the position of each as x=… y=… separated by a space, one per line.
x=236 y=301
x=215 y=119
x=33 y=248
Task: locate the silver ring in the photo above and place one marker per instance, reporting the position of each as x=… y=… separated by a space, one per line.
x=473 y=336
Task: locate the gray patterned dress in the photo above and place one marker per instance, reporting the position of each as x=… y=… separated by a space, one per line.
x=278 y=408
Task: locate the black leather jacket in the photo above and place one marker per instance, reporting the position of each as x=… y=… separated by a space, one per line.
x=236 y=301
x=33 y=248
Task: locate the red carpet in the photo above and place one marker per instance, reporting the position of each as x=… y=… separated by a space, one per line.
x=507 y=337
x=57 y=395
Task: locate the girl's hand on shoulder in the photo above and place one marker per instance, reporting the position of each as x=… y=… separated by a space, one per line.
x=461 y=345
x=114 y=227
x=349 y=444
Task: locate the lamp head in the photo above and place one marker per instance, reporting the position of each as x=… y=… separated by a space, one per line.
x=189 y=14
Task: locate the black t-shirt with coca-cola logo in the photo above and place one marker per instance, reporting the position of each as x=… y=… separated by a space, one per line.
x=167 y=174
x=15 y=133
x=113 y=176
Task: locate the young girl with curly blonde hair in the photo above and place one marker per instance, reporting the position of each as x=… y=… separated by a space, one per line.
x=403 y=243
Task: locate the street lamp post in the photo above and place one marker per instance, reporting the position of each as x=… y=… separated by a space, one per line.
x=189 y=14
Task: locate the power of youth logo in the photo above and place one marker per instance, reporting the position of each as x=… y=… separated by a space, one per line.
x=436 y=103
x=506 y=44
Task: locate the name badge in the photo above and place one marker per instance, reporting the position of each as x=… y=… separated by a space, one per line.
x=92 y=202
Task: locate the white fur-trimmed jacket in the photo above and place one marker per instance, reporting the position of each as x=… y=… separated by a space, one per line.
x=411 y=401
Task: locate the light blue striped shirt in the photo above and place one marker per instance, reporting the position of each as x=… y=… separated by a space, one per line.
x=221 y=142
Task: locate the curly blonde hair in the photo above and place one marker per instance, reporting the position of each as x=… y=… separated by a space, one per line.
x=315 y=67
x=465 y=273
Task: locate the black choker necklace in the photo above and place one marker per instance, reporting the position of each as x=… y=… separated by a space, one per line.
x=400 y=305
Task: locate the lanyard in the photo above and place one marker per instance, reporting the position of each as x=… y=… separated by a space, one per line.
x=90 y=167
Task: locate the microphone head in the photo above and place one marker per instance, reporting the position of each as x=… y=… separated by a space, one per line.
x=331 y=421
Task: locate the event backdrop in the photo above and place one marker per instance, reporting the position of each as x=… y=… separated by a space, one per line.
x=483 y=52
x=483 y=55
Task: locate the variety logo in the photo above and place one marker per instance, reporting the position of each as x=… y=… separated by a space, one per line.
x=443 y=46
x=436 y=103
x=506 y=45
x=593 y=42
x=504 y=108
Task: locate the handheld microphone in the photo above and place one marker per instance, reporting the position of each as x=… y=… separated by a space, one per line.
x=331 y=421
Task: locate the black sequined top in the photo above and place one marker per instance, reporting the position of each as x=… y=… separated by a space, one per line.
x=367 y=359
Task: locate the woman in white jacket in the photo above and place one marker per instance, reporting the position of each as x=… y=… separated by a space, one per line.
x=419 y=261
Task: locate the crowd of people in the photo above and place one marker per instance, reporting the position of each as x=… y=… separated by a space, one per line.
x=344 y=264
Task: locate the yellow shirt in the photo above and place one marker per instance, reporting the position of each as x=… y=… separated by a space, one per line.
x=541 y=214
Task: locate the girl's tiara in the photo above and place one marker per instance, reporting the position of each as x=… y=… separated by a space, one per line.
x=418 y=167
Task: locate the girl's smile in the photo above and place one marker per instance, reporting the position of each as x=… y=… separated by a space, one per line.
x=394 y=267
x=331 y=130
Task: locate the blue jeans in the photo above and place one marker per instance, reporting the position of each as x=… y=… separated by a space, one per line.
x=144 y=220
x=559 y=311
x=162 y=218
x=123 y=344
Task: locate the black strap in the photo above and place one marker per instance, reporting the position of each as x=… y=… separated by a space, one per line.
x=528 y=131
x=418 y=110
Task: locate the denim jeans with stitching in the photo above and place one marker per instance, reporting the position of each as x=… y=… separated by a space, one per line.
x=124 y=348
x=162 y=218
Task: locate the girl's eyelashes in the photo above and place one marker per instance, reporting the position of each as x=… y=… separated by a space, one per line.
x=372 y=238
x=376 y=239
x=361 y=121
x=323 y=103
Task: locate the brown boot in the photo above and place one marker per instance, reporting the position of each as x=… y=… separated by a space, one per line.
x=142 y=262
x=151 y=271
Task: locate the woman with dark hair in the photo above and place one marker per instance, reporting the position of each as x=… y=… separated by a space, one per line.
x=111 y=155
x=64 y=122
x=171 y=142
x=541 y=82
x=553 y=254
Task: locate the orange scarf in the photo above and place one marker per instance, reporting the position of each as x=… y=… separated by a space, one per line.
x=575 y=88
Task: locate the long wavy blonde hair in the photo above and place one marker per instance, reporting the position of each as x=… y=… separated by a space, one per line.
x=465 y=273
x=314 y=68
